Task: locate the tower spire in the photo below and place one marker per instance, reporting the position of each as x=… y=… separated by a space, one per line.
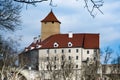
x=50 y=18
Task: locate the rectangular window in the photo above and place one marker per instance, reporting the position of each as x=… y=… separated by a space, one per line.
x=62 y=57
x=55 y=58
x=69 y=50
x=69 y=57
x=47 y=58
x=61 y=66
x=94 y=58
x=95 y=51
x=55 y=66
x=87 y=58
x=77 y=50
x=76 y=66
x=62 y=51
x=76 y=57
x=47 y=50
x=87 y=52
x=47 y=66
x=55 y=51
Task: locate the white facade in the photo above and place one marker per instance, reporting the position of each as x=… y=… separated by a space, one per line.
x=77 y=55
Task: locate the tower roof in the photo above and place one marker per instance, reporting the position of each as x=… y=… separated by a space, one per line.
x=50 y=17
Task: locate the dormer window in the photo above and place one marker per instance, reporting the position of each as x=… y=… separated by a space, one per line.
x=32 y=48
x=26 y=49
x=69 y=44
x=38 y=46
x=56 y=44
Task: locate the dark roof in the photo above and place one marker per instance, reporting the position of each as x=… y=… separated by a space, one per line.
x=87 y=41
x=50 y=18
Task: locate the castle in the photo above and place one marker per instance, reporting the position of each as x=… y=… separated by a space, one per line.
x=54 y=52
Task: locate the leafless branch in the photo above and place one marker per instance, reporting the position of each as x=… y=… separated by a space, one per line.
x=92 y=5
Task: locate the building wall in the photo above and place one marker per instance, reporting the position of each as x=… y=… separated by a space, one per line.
x=82 y=54
x=49 y=28
x=29 y=59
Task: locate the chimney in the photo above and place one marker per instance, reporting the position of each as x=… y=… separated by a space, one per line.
x=70 y=35
x=39 y=38
x=35 y=39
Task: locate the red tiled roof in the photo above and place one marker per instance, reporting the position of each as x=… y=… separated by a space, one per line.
x=87 y=41
x=50 y=17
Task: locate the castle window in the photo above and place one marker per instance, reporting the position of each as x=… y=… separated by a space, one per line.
x=69 y=57
x=55 y=66
x=94 y=58
x=76 y=57
x=69 y=50
x=55 y=58
x=87 y=52
x=87 y=58
x=47 y=66
x=69 y=44
x=77 y=50
x=56 y=44
x=47 y=50
x=55 y=51
x=61 y=66
x=76 y=66
x=62 y=51
x=47 y=58
x=95 y=51
x=52 y=22
x=62 y=57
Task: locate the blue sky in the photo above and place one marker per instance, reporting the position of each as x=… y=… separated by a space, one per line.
x=74 y=17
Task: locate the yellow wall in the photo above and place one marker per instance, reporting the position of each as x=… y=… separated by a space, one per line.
x=49 y=28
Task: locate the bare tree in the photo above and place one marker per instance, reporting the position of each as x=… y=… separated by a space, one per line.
x=107 y=54
x=115 y=67
x=90 y=5
x=90 y=69
x=57 y=67
x=8 y=54
x=9 y=15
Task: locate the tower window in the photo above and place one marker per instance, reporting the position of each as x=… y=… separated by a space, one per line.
x=53 y=22
x=45 y=22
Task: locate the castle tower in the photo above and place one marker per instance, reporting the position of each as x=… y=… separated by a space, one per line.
x=50 y=26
